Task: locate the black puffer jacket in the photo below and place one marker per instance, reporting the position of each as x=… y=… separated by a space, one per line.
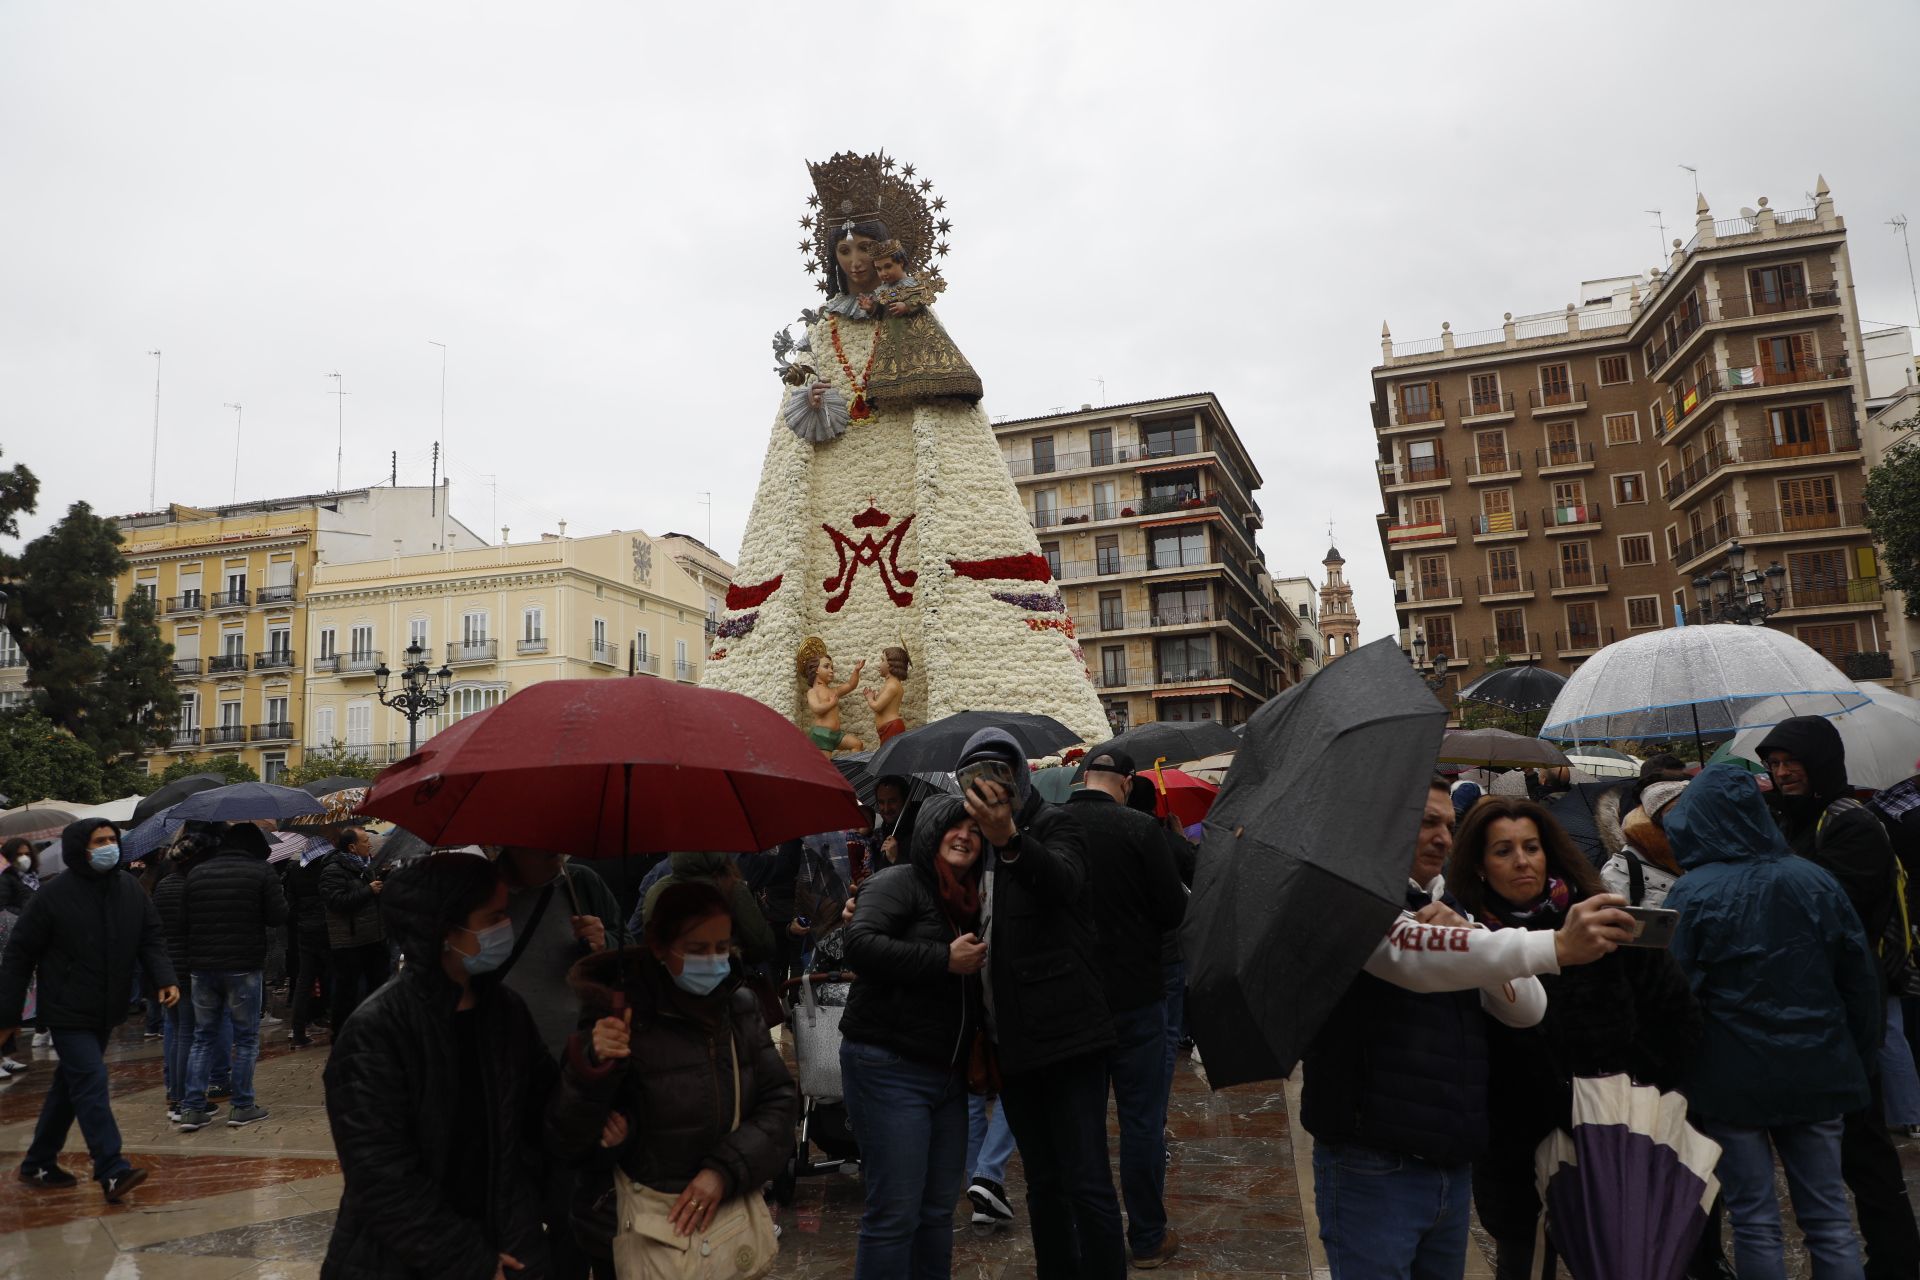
x=170 y=901
x=1138 y=897
x=15 y=893
x=1042 y=945
x=231 y=900
x=81 y=935
x=304 y=898
x=906 y=1000
x=353 y=909
x=677 y=1087
x=393 y=1087
x=1851 y=844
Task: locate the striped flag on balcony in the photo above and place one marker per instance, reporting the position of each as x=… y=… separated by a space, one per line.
x=1743 y=377
x=1500 y=522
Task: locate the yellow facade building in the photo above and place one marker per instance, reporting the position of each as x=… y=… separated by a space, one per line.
x=230 y=587
x=499 y=619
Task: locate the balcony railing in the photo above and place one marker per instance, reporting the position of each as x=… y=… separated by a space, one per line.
x=1808 y=518
x=230 y=599
x=473 y=651
x=534 y=644
x=183 y=738
x=1431 y=412
x=1574 y=453
x=278 y=731
x=1510 y=643
x=647 y=664
x=1429 y=591
x=107 y=614
x=222 y=734
x=1500 y=405
x=1515 y=584
x=683 y=671
x=186 y=602
x=274 y=595
x=226 y=662
x=1867 y=666
x=1573 y=396
x=602 y=653
x=1829 y=594
x=1583 y=639
x=1739 y=306
x=273 y=660
x=1493 y=464
x=1202 y=672
x=1114 y=678
x=1760 y=448
x=1722 y=530
x=1079 y=461
x=1498 y=522
x=1415 y=471
x=1688 y=397
x=186 y=668
x=1401 y=534
x=1569 y=516
x=12 y=658
x=1574 y=577
x=1718 y=455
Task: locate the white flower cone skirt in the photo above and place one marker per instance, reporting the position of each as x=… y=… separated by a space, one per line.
x=906 y=531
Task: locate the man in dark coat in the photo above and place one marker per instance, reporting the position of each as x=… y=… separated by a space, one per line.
x=83 y=933
x=1137 y=899
x=1823 y=824
x=231 y=900
x=357 y=963
x=1047 y=1013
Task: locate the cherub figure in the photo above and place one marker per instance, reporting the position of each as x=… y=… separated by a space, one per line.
x=898 y=293
x=885 y=701
x=815 y=666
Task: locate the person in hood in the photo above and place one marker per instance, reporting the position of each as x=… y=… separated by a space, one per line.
x=18 y=884
x=1823 y=823
x=434 y=1093
x=908 y=1034
x=82 y=934
x=1790 y=1005
x=675 y=1081
x=1046 y=1011
x=751 y=930
x=1465 y=796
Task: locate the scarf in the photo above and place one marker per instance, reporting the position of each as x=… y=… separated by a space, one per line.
x=960 y=897
x=28 y=878
x=1544 y=912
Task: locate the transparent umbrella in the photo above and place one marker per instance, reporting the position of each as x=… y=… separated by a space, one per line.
x=1703 y=681
x=1882 y=739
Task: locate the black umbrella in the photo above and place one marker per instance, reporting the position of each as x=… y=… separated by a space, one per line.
x=328 y=786
x=1176 y=742
x=935 y=748
x=245 y=802
x=856 y=768
x=174 y=792
x=1305 y=862
x=1516 y=688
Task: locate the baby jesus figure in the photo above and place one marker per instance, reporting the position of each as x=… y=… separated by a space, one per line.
x=898 y=293
x=885 y=701
x=823 y=696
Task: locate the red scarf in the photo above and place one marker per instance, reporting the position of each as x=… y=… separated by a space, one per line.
x=960 y=896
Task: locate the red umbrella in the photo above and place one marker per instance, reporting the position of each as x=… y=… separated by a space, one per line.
x=1184 y=796
x=598 y=768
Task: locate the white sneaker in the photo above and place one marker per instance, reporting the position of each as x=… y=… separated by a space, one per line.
x=12 y=1064
x=268 y=1020
x=41 y=1039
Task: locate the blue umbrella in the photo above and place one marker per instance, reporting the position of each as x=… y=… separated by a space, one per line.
x=155 y=833
x=245 y=802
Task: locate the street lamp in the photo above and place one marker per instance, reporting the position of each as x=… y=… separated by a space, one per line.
x=422 y=692
x=1438 y=679
x=1735 y=593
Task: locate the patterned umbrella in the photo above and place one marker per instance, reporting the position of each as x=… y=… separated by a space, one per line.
x=339 y=807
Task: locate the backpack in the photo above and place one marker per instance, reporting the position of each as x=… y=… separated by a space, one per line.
x=1895 y=946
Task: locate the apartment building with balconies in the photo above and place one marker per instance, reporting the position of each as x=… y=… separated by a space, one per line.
x=229 y=585
x=498 y=619
x=1147 y=518
x=1566 y=480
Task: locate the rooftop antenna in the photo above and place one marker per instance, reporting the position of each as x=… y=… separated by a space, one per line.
x=1899 y=223
x=340 y=429
x=493 y=483
x=1660 y=221
x=236 y=451
x=441 y=447
x=1696 y=177
x=153 y=476
x=706 y=500
x=1102 y=383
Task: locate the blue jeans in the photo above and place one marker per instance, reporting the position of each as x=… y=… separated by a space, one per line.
x=1176 y=980
x=989 y=1140
x=1136 y=1068
x=177 y=1047
x=232 y=998
x=1059 y=1118
x=79 y=1092
x=1810 y=1154
x=1385 y=1216
x=1898 y=1079
x=911 y=1122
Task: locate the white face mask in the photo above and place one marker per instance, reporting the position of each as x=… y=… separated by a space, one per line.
x=23 y=862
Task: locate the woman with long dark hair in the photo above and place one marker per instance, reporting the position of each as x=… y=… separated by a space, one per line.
x=1514 y=867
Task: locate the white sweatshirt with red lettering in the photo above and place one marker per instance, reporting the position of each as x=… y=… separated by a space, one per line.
x=1501 y=963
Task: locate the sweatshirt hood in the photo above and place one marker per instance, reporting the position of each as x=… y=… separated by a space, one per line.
x=700 y=866
x=244 y=837
x=998 y=744
x=73 y=845
x=1816 y=744
x=1722 y=817
x=937 y=817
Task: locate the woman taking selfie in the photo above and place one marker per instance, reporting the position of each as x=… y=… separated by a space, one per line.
x=909 y=1027
x=679 y=1077
x=1513 y=867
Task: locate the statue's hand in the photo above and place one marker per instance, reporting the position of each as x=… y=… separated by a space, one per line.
x=816 y=395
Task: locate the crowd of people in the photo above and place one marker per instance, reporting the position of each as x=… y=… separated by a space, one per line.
x=526 y=1081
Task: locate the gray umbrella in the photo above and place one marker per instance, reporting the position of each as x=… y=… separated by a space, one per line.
x=1499 y=749
x=1305 y=861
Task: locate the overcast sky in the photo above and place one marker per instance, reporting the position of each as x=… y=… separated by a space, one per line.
x=595 y=208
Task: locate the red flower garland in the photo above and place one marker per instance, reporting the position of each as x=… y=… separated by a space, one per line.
x=858 y=412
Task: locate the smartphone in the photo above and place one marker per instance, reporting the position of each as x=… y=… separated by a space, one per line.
x=1655 y=926
x=995 y=770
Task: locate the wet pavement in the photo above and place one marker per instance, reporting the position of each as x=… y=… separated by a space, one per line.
x=258 y=1202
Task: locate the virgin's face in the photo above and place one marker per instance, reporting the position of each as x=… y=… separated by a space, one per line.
x=1515 y=864
x=856 y=260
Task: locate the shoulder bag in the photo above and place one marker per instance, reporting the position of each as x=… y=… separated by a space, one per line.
x=739 y=1244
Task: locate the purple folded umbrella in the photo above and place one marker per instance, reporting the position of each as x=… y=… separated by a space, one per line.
x=1627 y=1191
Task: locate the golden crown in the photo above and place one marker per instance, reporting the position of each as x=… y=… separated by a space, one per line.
x=850 y=189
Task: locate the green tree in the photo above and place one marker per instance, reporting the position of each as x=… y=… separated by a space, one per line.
x=233 y=767
x=41 y=761
x=62 y=581
x=334 y=761
x=136 y=702
x=1893 y=512
x=19 y=494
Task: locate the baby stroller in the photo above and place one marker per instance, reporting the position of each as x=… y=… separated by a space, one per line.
x=825 y=1139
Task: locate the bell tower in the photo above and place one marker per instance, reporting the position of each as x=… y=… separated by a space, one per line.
x=1339 y=624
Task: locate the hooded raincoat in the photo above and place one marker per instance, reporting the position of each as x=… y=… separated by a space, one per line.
x=1777 y=961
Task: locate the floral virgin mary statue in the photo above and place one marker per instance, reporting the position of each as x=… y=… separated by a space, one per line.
x=885 y=517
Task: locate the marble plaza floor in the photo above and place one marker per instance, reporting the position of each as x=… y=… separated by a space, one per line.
x=258 y=1202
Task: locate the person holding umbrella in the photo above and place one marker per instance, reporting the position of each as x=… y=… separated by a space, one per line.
x=358 y=957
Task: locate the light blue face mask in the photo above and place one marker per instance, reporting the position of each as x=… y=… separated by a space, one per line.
x=104 y=858
x=702 y=975
x=496 y=944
